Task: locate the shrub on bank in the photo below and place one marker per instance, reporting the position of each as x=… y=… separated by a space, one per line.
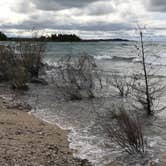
x=31 y=53
x=21 y=64
x=6 y=62
x=19 y=77
x=12 y=68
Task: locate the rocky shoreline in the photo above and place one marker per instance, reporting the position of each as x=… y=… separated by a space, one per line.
x=28 y=141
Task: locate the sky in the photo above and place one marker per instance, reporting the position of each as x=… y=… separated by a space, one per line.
x=86 y=18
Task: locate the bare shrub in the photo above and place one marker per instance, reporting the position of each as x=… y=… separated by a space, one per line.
x=31 y=53
x=6 y=61
x=122 y=84
x=19 y=77
x=22 y=62
x=76 y=76
x=126 y=131
x=12 y=68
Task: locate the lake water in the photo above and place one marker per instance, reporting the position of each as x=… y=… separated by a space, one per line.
x=86 y=135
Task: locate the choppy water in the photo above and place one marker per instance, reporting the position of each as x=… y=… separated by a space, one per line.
x=79 y=116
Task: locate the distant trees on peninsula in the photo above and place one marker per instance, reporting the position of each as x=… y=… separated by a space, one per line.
x=53 y=37
x=3 y=36
x=61 y=37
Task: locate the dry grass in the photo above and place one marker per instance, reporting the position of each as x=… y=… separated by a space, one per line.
x=126 y=131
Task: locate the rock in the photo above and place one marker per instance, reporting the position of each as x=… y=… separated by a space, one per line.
x=19 y=106
x=39 y=81
x=53 y=148
x=85 y=163
x=22 y=87
x=18 y=132
x=2 y=77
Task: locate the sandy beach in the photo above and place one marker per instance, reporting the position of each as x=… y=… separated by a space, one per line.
x=28 y=141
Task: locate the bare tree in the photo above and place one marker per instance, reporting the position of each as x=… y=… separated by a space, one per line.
x=148 y=97
x=147 y=87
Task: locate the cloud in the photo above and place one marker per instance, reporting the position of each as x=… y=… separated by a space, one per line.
x=156 y=5
x=85 y=17
x=91 y=16
x=60 y=4
x=99 y=8
x=93 y=26
x=23 y=7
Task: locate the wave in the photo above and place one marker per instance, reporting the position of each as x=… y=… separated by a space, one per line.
x=162 y=55
x=124 y=44
x=104 y=57
x=89 y=147
x=86 y=146
x=159 y=55
x=151 y=62
x=51 y=62
x=114 y=58
x=122 y=58
x=137 y=60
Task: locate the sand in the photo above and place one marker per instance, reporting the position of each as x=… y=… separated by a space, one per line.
x=28 y=141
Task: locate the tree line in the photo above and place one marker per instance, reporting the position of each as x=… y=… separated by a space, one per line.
x=57 y=38
x=53 y=37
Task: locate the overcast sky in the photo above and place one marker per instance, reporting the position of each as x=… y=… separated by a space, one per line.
x=86 y=18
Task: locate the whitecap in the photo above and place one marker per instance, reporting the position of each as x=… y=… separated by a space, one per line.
x=103 y=57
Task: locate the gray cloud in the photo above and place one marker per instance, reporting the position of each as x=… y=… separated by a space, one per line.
x=93 y=26
x=89 y=16
x=23 y=7
x=99 y=8
x=156 y=5
x=90 y=7
x=56 y=4
x=60 y=4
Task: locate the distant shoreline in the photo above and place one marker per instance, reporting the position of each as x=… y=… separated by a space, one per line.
x=58 y=38
x=106 y=40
